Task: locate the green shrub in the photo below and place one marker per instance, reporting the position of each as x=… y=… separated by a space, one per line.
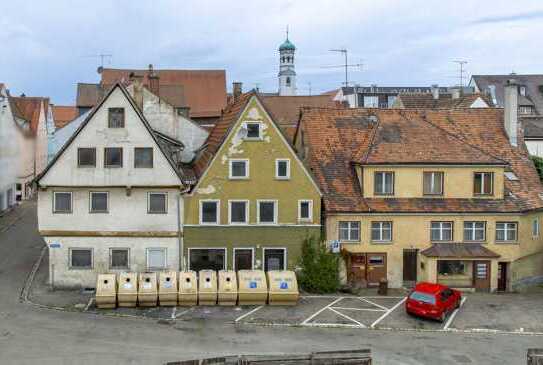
x=319 y=268
x=538 y=162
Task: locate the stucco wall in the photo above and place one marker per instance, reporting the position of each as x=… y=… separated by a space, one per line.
x=9 y=150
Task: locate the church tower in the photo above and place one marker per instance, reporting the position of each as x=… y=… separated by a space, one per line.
x=287 y=75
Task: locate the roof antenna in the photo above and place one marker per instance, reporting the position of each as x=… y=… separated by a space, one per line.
x=287 y=31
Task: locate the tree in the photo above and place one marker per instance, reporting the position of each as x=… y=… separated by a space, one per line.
x=319 y=267
x=538 y=162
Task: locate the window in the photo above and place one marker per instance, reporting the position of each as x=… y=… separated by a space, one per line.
x=275 y=259
x=157 y=203
x=113 y=157
x=451 y=267
x=207 y=259
x=384 y=183
x=267 y=211
x=506 y=231
x=433 y=183
x=80 y=258
x=238 y=212
x=371 y=101
x=391 y=99
x=115 y=118
x=239 y=169
x=99 y=201
x=118 y=258
x=243 y=258
x=349 y=231
x=62 y=202
x=282 y=169
x=305 y=210
x=209 y=212
x=441 y=231
x=156 y=258
x=86 y=157
x=482 y=184
x=19 y=187
x=525 y=109
x=253 y=130
x=474 y=231
x=143 y=157
x=535 y=227
x=381 y=231
x=288 y=81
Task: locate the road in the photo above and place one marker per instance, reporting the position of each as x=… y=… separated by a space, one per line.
x=29 y=335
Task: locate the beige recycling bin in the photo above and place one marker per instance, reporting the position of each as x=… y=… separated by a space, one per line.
x=127 y=289
x=228 y=288
x=147 y=290
x=187 y=294
x=106 y=291
x=207 y=287
x=252 y=287
x=283 y=288
x=167 y=288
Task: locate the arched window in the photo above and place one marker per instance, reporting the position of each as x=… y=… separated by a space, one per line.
x=288 y=81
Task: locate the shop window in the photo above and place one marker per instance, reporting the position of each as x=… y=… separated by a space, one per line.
x=451 y=267
x=207 y=259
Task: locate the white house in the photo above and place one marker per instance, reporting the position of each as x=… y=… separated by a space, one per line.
x=9 y=152
x=111 y=198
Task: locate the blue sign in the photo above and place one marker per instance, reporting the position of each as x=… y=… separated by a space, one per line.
x=335 y=246
x=284 y=285
x=54 y=245
x=252 y=285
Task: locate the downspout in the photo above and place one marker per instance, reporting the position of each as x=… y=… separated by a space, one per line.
x=180 y=225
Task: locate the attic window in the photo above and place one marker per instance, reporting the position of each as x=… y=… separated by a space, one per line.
x=510 y=175
x=253 y=130
x=115 y=118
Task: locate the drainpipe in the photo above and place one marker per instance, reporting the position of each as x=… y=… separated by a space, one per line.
x=180 y=229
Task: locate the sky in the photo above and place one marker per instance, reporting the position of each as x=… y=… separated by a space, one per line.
x=48 y=47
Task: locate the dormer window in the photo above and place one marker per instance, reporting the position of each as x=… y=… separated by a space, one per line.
x=253 y=130
x=115 y=118
x=384 y=183
x=483 y=183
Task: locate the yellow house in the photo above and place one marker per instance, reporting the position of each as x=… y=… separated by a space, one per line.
x=440 y=196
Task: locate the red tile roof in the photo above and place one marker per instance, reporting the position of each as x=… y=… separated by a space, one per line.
x=28 y=108
x=445 y=101
x=63 y=115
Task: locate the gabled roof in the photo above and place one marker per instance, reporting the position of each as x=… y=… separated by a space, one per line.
x=445 y=101
x=204 y=90
x=336 y=139
x=28 y=108
x=63 y=115
x=90 y=115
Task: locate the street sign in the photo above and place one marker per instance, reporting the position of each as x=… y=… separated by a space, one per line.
x=55 y=245
x=335 y=246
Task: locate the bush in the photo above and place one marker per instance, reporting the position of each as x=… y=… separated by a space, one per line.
x=538 y=162
x=319 y=268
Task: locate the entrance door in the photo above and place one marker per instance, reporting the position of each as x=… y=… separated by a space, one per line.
x=357 y=274
x=481 y=275
x=377 y=268
x=502 y=276
x=243 y=259
x=410 y=267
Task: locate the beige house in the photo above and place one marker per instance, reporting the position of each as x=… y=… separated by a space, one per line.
x=427 y=195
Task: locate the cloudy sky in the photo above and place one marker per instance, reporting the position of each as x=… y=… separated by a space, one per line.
x=47 y=47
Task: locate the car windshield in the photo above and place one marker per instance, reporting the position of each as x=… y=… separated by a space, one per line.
x=423 y=297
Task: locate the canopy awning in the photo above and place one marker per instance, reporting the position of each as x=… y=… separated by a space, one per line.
x=459 y=250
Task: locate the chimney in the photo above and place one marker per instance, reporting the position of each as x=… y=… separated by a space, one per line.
x=137 y=81
x=456 y=92
x=510 y=108
x=435 y=91
x=154 y=84
x=236 y=90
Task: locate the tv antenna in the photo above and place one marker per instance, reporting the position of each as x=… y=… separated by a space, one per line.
x=346 y=65
x=309 y=86
x=461 y=71
x=102 y=57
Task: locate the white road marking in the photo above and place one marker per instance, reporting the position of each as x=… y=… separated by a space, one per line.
x=248 y=313
x=372 y=303
x=347 y=317
x=321 y=310
x=361 y=309
x=388 y=312
x=174 y=310
x=177 y=315
x=89 y=304
x=451 y=318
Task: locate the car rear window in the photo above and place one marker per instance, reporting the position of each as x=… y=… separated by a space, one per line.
x=423 y=297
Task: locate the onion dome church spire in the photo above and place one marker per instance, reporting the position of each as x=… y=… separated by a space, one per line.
x=287 y=74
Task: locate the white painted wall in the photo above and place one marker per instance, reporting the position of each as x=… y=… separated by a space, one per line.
x=42 y=140
x=9 y=151
x=535 y=147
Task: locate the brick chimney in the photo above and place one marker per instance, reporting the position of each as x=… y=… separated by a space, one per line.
x=435 y=91
x=137 y=81
x=154 y=84
x=510 y=111
x=236 y=90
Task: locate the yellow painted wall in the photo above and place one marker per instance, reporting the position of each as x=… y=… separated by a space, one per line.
x=458 y=181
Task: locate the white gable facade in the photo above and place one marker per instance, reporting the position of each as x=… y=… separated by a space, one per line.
x=9 y=153
x=104 y=218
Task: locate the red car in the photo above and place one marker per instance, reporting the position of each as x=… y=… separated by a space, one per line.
x=433 y=301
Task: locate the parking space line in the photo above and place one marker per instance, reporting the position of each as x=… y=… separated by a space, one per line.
x=91 y=300
x=372 y=303
x=388 y=312
x=362 y=309
x=346 y=316
x=177 y=315
x=453 y=315
x=321 y=310
x=248 y=313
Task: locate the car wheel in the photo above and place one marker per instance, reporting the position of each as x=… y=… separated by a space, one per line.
x=457 y=305
x=442 y=317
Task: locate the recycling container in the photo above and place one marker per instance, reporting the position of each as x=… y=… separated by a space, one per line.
x=167 y=288
x=207 y=287
x=252 y=287
x=147 y=290
x=228 y=288
x=187 y=294
x=106 y=291
x=127 y=289
x=283 y=287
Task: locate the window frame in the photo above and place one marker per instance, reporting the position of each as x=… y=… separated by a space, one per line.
x=247 y=211
x=91 y=193
x=246 y=126
x=535 y=224
x=55 y=211
x=473 y=230
x=109 y=112
x=79 y=165
x=152 y=157
x=285 y=256
x=230 y=169
x=149 y=193
x=164 y=249
x=111 y=267
x=441 y=231
x=277 y=161
x=381 y=230
x=105 y=158
x=275 y=211
x=384 y=173
x=505 y=232
x=234 y=249
x=350 y=223
x=218 y=216
x=225 y=249
x=483 y=173
x=70 y=258
x=441 y=182
x=310 y=218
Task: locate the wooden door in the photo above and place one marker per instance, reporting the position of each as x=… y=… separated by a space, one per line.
x=243 y=259
x=410 y=266
x=502 y=276
x=481 y=275
x=357 y=273
x=376 y=268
